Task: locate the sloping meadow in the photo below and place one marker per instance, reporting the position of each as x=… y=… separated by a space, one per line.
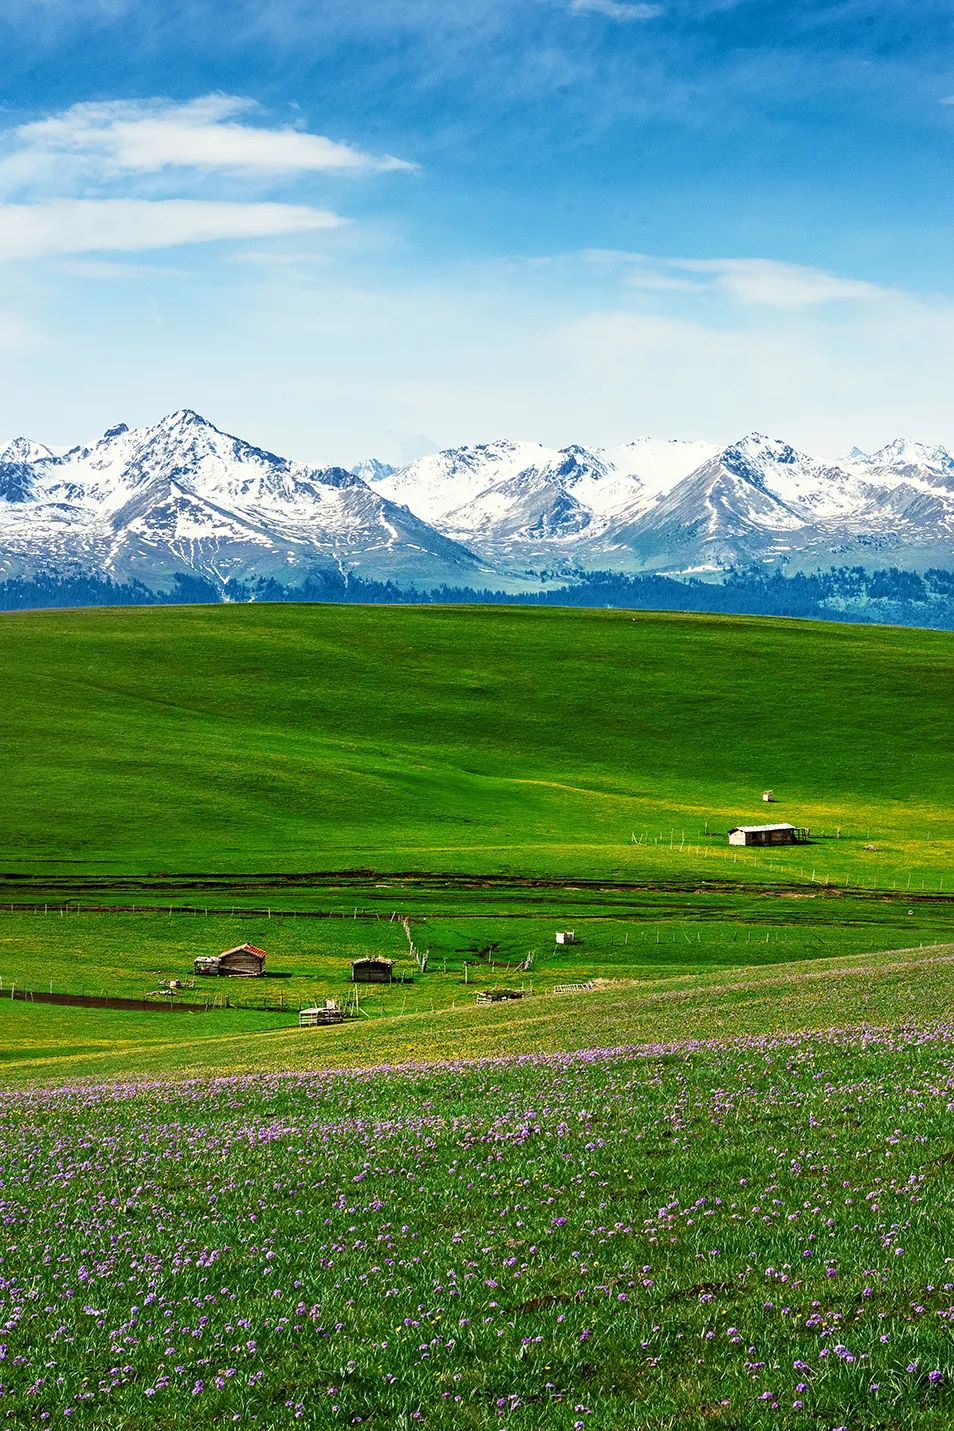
x=741 y=1234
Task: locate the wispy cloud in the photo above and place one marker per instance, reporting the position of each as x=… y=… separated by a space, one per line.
x=125 y=137
x=125 y=176
x=76 y=226
x=616 y=9
x=762 y=282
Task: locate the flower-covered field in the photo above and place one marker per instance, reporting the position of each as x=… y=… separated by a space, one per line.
x=744 y=1235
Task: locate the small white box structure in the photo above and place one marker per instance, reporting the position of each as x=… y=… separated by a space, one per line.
x=768 y=835
x=327 y=1013
x=768 y=796
x=565 y=936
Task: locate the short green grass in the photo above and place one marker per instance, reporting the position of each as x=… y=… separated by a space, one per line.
x=49 y=1044
x=229 y=1222
x=731 y=1237
x=130 y=954
x=261 y=740
x=492 y=775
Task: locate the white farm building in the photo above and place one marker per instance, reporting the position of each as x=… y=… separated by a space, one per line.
x=782 y=834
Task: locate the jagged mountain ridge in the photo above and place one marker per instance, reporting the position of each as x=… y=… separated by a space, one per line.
x=677 y=505
x=183 y=496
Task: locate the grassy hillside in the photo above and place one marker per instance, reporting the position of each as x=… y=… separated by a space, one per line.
x=492 y=774
x=44 y=1044
x=743 y=1224
x=269 y=739
x=730 y=1237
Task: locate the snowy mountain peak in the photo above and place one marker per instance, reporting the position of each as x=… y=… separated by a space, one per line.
x=24 y=449
x=571 y=462
x=182 y=495
x=754 y=456
x=901 y=452
x=372 y=470
x=756 y=447
x=185 y=417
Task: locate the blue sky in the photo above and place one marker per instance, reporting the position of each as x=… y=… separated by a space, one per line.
x=342 y=227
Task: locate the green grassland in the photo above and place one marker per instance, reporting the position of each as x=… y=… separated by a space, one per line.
x=489 y=774
x=47 y=1044
x=259 y=740
x=740 y=1236
x=688 y=1209
x=128 y=954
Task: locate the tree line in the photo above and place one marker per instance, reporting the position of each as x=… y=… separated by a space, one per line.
x=850 y=593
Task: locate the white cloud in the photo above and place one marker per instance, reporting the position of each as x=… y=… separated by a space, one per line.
x=128 y=137
x=75 y=226
x=653 y=280
x=819 y=381
x=616 y=9
x=778 y=285
x=759 y=282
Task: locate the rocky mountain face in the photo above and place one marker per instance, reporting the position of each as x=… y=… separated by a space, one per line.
x=687 y=505
x=183 y=497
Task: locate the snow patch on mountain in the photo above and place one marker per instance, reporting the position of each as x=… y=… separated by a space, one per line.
x=659 y=464
x=443 y=482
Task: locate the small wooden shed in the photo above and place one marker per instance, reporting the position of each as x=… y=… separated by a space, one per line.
x=565 y=936
x=767 y=835
x=372 y=970
x=245 y=961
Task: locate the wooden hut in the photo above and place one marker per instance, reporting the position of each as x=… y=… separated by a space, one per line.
x=372 y=970
x=245 y=961
x=767 y=835
x=565 y=936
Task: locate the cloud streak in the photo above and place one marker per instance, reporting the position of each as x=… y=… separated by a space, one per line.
x=76 y=226
x=124 y=137
x=758 y=282
x=616 y=9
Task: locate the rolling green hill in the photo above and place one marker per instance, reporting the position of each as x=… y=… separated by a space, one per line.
x=179 y=780
x=277 y=739
x=44 y=1045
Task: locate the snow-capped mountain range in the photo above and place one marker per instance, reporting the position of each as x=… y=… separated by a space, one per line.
x=181 y=496
x=184 y=497
x=654 y=505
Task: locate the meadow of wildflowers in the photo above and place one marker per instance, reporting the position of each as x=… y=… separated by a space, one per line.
x=753 y=1233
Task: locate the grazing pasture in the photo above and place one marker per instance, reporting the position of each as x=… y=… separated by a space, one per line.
x=748 y=1234
x=45 y=1045
x=712 y=1188
x=179 y=781
x=153 y=749
x=310 y=959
